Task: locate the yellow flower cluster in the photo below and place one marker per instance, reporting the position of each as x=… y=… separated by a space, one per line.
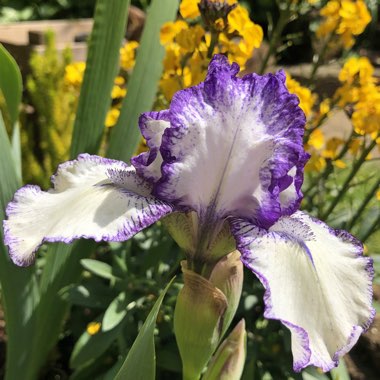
x=344 y=18
x=189 y=46
x=128 y=55
x=74 y=74
x=119 y=90
x=306 y=97
x=361 y=91
x=316 y=145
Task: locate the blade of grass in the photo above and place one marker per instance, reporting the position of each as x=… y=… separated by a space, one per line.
x=18 y=285
x=62 y=262
x=10 y=83
x=101 y=68
x=61 y=269
x=140 y=363
x=142 y=86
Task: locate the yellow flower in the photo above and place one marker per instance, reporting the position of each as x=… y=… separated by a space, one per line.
x=189 y=8
x=189 y=39
x=357 y=68
x=118 y=92
x=93 y=328
x=74 y=73
x=332 y=146
x=172 y=59
x=128 y=55
x=339 y=164
x=305 y=96
x=378 y=195
x=354 y=146
x=169 y=85
x=198 y=68
x=346 y=18
x=119 y=80
x=316 y=139
x=316 y=162
x=170 y=29
x=112 y=116
x=366 y=116
x=239 y=21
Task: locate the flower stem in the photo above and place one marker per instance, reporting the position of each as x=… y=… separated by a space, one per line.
x=320 y=58
x=213 y=42
x=364 y=204
x=374 y=227
x=275 y=37
x=357 y=165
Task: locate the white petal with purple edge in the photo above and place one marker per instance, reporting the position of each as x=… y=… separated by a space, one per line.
x=317 y=283
x=92 y=197
x=231 y=146
x=152 y=126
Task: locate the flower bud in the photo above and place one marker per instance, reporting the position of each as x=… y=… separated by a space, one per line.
x=204 y=310
x=228 y=362
x=227 y=276
x=198 y=321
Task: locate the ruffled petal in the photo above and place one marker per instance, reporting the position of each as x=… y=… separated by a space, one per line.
x=235 y=144
x=92 y=197
x=317 y=283
x=152 y=126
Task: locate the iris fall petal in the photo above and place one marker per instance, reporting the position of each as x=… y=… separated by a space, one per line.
x=317 y=283
x=92 y=197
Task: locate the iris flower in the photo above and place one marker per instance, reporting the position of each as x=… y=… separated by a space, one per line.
x=226 y=162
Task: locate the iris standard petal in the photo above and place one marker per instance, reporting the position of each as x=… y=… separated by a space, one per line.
x=152 y=126
x=92 y=197
x=235 y=144
x=317 y=283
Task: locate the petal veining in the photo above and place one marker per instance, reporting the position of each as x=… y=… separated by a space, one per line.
x=92 y=197
x=234 y=145
x=317 y=283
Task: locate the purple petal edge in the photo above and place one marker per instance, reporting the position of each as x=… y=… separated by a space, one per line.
x=144 y=159
x=241 y=244
x=275 y=174
x=129 y=229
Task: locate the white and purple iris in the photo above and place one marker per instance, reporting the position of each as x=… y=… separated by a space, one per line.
x=227 y=156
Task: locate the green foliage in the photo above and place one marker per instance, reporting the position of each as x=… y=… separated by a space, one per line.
x=10 y=84
x=111 y=293
x=140 y=363
x=142 y=87
x=47 y=132
x=18 y=286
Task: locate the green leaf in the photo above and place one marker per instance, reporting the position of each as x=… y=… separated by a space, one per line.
x=18 y=285
x=101 y=68
x=142 y=86
x=16 y=151
x=98 y=267
x=115 y=313
x=140 y=364
x=9 y=182
x=10 y=83
x=89 y=347
x=93 y=295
